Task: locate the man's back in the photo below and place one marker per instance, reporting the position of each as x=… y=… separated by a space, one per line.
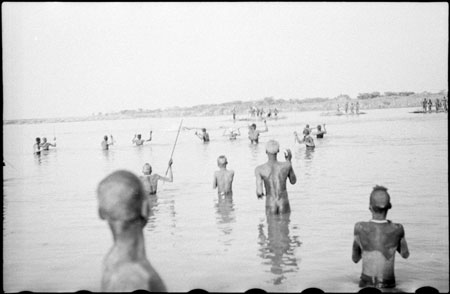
x=224 y=181
x=378 y=243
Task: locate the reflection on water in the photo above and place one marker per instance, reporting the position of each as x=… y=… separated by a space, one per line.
x=225 y=216
x=278 y=247
x=309 y=152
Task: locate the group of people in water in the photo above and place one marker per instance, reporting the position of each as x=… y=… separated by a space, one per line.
x=43 y=145
x=352 y=107
x=124 y=202
x=428 y=104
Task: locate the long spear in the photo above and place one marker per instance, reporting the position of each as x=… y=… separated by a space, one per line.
x=173 y=149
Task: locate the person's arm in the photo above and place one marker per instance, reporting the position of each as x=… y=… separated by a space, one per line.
x=265 y=128
x=215 y=180
x=324 y=130
x=291 y=174
x=170 y=178
x=134 y=139
x=402 y=247
x=239 y=132
x=259 y=184
x=150 y=138
x=356 y=250
x=200 y=136
x=297 y=139
x=112 y=140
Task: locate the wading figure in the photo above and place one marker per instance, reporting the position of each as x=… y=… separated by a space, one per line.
x=123 y=204
x=376 y=242
x=273 y=174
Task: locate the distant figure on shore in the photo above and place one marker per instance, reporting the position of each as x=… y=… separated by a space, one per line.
x=150 y=181
x=123 y=204
x=223 y=178
x=105 y=144
x=307 y=139
x=46 y=145
x=253 y=133
x=234 y=113
x=376 y=241
x=319 y=134
x=444 y=104
x=437 y=104
x=346 y=107
x=275 y=112
x=232 y=133
x=430 y=104
x=338 y=108
x=424 y=104
x=352 y=108
x=273 y=174
x=138 y=141
x=357 y=107
x=204 y=136
x=37 y=146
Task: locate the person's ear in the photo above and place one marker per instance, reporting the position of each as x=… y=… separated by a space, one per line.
x=101 y=213
x=145 y=209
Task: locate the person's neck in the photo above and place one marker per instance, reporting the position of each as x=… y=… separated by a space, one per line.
x=379 y=216
x=128 y=239
x=222 y=167
x=272 y=157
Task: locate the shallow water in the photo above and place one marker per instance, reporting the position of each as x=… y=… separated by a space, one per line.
x=53 y=239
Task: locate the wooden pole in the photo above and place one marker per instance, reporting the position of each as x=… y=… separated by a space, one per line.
x=173 y=149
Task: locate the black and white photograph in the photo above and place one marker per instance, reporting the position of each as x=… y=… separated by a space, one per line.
x=225 y=146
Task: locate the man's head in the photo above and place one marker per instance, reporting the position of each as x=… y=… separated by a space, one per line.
x=272 y=147
x=380 y=201
x=38 y=140
x=222 y=161
x=307 y=126
x=105 y=138
x=204 y=130
x=319 y=127
x=121 y=197
x=253 y=126
x=44 y=140
x=139 y=136
x=147 y=169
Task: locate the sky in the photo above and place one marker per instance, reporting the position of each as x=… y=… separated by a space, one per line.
x=72 y=59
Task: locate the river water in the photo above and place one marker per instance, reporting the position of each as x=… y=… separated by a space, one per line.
x=53 y=239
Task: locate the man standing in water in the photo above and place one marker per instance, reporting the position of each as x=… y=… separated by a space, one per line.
x=105 y=143
x=45 y=145
x=223 y=178
x=273 y=174
x=150 y=181
x=37 y=146
x=123 y=204
x=138 y=141
x=307 y=139
x=376 y=242
x=204 y=136
x=253 y=133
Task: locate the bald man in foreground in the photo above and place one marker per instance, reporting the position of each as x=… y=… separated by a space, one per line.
x=376 y=242
x=122 y=203
x=274 y=174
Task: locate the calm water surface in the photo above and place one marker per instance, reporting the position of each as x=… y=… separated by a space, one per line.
x=53 y=239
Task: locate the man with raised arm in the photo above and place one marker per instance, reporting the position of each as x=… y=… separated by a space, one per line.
x=46 y=145
x=273 y=175
x=123 y=204
x=138 y=141
x=253 y=133
x=150 y=181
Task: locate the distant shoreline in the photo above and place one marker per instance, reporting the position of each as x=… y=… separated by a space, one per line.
x=291 y=105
